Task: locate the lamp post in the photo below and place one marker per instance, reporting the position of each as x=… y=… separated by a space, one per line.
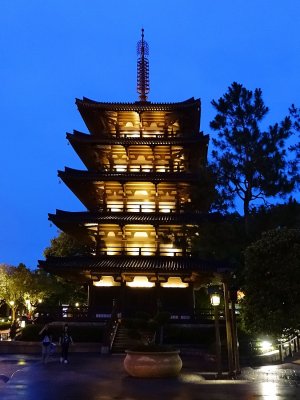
x=215 y=300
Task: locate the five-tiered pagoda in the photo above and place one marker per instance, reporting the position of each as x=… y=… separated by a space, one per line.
x=143 y=161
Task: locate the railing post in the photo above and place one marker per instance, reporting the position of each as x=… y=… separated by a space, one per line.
x=290 y=348
x=280 y=352
x=228 y=330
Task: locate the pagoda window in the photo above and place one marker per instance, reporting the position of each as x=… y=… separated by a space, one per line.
x=168 y=250
x=140 y=240
x=140 y=235
x=120 y=168
x=115 y=206
x=140 y=197
x=141 y=193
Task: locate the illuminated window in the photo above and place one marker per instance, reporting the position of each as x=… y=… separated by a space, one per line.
x=140 y=234
x=141 y=193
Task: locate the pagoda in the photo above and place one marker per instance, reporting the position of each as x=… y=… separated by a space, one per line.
x=143 y=163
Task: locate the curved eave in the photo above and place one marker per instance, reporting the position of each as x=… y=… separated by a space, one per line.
x=83 y=138
x=87 y=146
x=130 y=264
x=137 y=106
x=96 y=118
x=65 y=217
x=70 y=174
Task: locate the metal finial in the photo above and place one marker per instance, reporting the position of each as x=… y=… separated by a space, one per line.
x=143 y=85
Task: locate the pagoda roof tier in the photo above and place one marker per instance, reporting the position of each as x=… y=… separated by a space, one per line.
x=82 y=138
x=63 y=219
x=101 y=118
x=87 y=267
x=88 y=185
x=137 y=105
x=94 y=151
x=70 y=174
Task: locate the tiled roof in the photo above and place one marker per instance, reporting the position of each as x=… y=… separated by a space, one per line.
x=81 y=175
x=137 y=106
x=131 y=218
x=155 y=140
x=123 y=264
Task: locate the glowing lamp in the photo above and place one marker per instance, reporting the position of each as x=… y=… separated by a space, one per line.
x=215 y=299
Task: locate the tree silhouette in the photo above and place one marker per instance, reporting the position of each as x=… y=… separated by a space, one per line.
x=250 y=163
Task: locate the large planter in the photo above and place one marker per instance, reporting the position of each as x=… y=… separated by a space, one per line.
x=154 y=364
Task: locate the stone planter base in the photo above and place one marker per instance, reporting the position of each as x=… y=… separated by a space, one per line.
x=152 y=364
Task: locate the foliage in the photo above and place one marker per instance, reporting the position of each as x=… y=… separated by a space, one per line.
x=15 y=283
x=4 y=326
x=79 y=333
x=221 y=238
x=65 y=245
x=203 y=194
x=274 y=216
x=26 y=291
x=144 y=327
x=192 y=335
x=152 y=348
x=295 y=116
x=250 y=163
x=272 y=283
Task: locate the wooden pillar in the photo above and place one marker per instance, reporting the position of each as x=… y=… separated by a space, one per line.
x=228 y=330
x=156 y=199
x=235 y=345
x=98 y=241
x=123 y=247
x=124 y=197
x=280 y=353
x=154 y=159
x=218 y=342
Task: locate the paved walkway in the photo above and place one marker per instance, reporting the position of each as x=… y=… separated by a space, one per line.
x=102 y=377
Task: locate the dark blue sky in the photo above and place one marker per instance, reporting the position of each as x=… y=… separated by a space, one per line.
x=54 y=51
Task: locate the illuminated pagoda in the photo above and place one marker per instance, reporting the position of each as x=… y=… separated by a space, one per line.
x=143 y=160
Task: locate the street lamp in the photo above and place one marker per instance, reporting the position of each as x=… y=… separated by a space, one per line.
x=215 y=300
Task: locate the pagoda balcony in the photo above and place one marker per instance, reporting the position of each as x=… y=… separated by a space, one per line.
x=142 y=208
x=128 y=134
x=143 y=251
x=142 y=168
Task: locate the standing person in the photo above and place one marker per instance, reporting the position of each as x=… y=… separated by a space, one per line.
x=65 y=340
x=46 y=335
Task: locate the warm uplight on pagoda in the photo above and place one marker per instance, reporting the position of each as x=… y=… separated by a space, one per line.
x=106 y=281
x=174 y=282
x=140 y=282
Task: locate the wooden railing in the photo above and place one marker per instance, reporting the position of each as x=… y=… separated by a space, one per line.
x=142 y=208
x=111 y=327
x=143 y=251
x=142 y=168
x=288 y=347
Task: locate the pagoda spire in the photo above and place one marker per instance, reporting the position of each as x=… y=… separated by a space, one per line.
x=143 y=86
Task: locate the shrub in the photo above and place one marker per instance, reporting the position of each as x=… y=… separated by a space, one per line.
x=86 y=333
